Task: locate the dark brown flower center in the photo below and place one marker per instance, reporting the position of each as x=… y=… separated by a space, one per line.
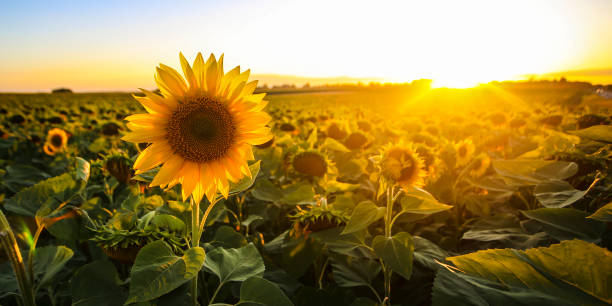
x=310 y=163
x=462 y=151
x=201 y=129
x=56 y=141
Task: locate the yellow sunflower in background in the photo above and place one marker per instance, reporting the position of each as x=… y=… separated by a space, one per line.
x=401 y=164
x=465 y=149
x=480 y=165
x=57 y=139
x=200 y=130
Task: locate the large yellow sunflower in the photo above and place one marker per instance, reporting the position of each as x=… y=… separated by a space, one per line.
x=200 y=130
x=401 y=164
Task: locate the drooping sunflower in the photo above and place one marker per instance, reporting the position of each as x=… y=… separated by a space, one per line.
x=311 y=163
x=401 y=164
x=465 y=149
x=200 y=130
x=57 y=139
x=480 y=165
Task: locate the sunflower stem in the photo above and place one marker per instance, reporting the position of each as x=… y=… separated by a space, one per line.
x=195 y=242
x=388 y=224
x=9 y=244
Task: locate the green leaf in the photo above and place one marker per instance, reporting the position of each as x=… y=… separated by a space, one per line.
x=576 y=271
x=567 y=223
x=227 y=237
x=82 y=169
x=354 y=272
x=419 y=201
x=396 y=251
x=300 y=193
x=48 y=261
x=97 y=283
x=460 y=289
x=603 y=214
x=258 y=291
x=601 y=133
x=332 y=144
x=532 y=172
x=502 y=231
x=157 y=270
x=48 y=195
x=169 y=223
x=364 y=214
x=557 y=193
x=427 y=253
x=235 y=264
x=265 y=190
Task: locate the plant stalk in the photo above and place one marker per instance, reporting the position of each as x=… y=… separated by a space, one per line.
x=9 y=243
x=388 y=223
x=195 y=241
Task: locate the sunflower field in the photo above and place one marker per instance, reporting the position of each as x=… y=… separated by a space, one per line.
x=210 y=192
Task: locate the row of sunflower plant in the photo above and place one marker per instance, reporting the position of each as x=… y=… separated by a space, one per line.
x=204 y=198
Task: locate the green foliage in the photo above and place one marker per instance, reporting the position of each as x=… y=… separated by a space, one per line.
x=157 y=271
x=550 y=271
x=396 y=251
x=235 y=264
x=46 y=196
x=567 y=223
x=97 y=283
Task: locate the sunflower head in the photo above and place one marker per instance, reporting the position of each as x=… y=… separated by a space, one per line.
x=310 y=163
x=356 y=141
x=465 y=149
x=119 y=166
x=57 y=139
x=317 y=218
x=480 y=165
x=201 y=128
x=401 y=164
x=335 y=131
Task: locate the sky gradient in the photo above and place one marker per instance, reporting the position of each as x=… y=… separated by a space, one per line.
x=115 y=45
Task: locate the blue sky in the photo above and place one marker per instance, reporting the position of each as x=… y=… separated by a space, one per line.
x=115 y=45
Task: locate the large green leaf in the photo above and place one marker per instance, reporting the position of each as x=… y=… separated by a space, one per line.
x=354 y=272
x=258 y=291
x=557 y=193
x=419 y=201
x=48 y=261
x=567 y=223
x=97 y=283
x=157 y=271
x=235 y=264
x=48 y=195
x=602 y=133
x=603 y=214
x=532 y=172
x=265 y=190
x=428 y=253
x=396 y=252
x=364 y=214
x=577 y=271
x=299 y=193
x=502 y=231
x=460 y=289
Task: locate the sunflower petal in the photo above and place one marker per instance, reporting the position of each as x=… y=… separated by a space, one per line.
x=199 y=70
x=153 y=156
x=188 y=72
x=168 y=171
x=211 y=75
